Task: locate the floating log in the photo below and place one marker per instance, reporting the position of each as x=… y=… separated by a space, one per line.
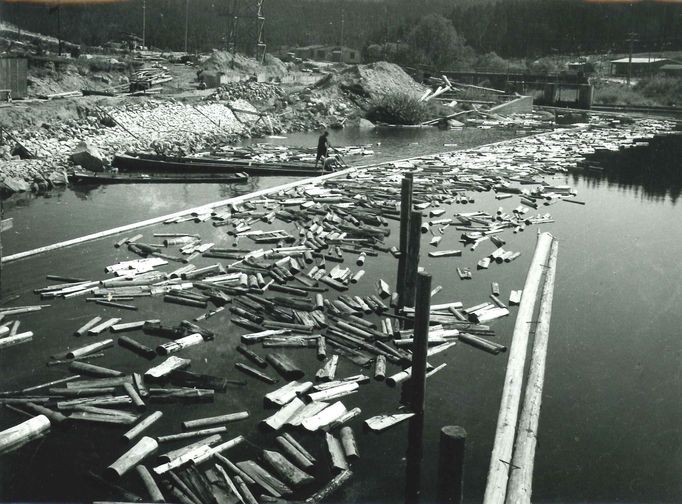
x=191 y=434
x=167 y=366
x=285 y=394
x=334 y=392
x=266 y=480
x=91 y=369
x=227 y=463
x=245 y=492
x=203 y=422
x=338 y=457
x=380 y=368
x=383 y=422
x=103 y=326
x=498 y=473
x=349 y=444
x=324 y=417
x=88 y=349
x=252 y=356
x=321 y=348
x=149 y=483
x=54 y=416
x=180 y=344
x=331 y=487
x=15 y=437
x=283 y=415
x=196 y=380
x=343 y=419
x=291 y=474
x=144 y=447
x=521 y=480
x=142 y=426
x=136 y=347
x=328 y=370
x=255 y=373
x=128 y=326
x=16 y=339
x=99 y=382
x=285 y=366
x=137 y=400
x=211 y=440
x=481 y=343
x=445 y=253
x=83 y=330
x=297 y=456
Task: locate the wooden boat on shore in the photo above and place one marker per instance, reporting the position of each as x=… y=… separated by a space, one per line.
x=83 y=177
x=142 y=163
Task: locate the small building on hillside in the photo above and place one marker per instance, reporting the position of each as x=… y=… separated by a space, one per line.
x=339 y=54
x=640 y=65
x=13 y=77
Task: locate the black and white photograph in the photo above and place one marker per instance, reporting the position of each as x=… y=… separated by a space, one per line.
x=341 y=251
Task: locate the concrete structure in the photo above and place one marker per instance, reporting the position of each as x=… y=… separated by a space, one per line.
x=521 y=105
x=640 y=65
x=13 y=77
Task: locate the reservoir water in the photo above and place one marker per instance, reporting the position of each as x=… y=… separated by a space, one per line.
x=610 y=428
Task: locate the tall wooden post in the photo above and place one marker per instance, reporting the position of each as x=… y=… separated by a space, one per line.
x=451 y=465
x=405 y=209
x=412 y=260
x=417 y=384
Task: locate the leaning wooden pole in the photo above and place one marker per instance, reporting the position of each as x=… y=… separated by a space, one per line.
x=417 y=384
x=414 y=236
x=521 y=478
x=405 y=210
x=500 y=459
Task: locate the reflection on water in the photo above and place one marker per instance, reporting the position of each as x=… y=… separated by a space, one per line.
x=651 y=172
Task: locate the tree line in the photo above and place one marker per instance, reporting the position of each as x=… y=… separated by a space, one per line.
x=510 y=28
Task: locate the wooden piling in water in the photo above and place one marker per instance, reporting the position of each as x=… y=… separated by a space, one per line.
x=500 y=458
x=521 y=479
x=405 y=211
x=451 y=465
x=412 y=260
x=418 y=383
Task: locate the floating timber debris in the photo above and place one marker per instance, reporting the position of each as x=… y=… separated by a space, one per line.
x=286 y=278
x=383 y=422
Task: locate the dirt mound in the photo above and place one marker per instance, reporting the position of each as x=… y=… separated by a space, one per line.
x=229 y=63
x=375 y=80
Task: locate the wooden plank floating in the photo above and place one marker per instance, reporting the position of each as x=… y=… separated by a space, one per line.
x=498 y=473
x=521 y=480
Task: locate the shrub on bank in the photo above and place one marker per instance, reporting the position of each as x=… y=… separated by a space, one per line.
x=398 y=108
x=665 y=90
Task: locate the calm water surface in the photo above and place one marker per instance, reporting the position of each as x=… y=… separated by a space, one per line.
x=611 y=414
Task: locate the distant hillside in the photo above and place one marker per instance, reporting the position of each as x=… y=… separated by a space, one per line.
x=521 y=28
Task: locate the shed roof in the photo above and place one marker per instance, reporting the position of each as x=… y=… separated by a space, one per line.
x=639 y=60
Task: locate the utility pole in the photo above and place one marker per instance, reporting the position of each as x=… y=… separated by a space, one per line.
x=632 y=38
x=342 y=23
x=59 y=28
x=186 y=22
x=144 y=23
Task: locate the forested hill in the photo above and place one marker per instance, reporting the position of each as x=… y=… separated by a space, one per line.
x=508 y=27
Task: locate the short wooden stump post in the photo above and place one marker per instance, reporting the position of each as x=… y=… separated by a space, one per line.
x=451 y=464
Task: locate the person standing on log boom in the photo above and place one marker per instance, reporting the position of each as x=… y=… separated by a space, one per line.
x=323 y=146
